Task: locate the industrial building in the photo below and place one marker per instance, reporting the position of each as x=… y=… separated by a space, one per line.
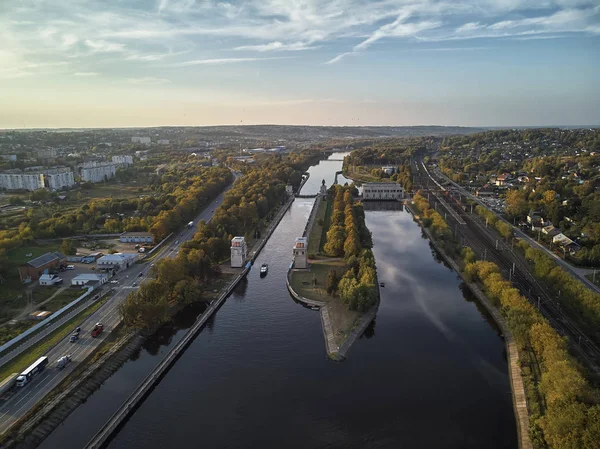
x=32 y=270
x=137 y=237
x=382 y=191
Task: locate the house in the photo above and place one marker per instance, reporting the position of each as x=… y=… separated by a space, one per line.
x=32 y=270
x=137 y=237
x=382 y=191
x=534 y=219
x=562 y=240
x=503 y=179
x=89 y=279
x=50 y=279
x=117 y=261
x=550 y=231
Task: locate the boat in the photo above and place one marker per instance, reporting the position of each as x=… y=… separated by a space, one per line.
x=382 y=284
x=263 y=269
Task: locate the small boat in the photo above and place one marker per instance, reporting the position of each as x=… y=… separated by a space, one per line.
x=382 y=284
x=263 y=269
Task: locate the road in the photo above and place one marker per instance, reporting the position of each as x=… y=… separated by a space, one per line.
x=488 y=246
x=20 y=400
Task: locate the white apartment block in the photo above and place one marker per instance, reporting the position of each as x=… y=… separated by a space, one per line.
x=142 y=140
x=123 y=160
x=98 y=173
x=47 y=153
x=59 y=179
x=21 y=181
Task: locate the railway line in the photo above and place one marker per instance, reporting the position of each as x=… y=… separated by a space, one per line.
x=471 y=232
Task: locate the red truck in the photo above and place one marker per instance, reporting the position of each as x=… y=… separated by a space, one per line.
x=97 y=330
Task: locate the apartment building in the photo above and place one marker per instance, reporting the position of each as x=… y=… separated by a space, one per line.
x=21 y=181
x=123 y=160
x=142 y=140
x=58 y=179
x=98 y=173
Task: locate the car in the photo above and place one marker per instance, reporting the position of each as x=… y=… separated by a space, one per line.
x=63 y=361
x=177 y=242
x=70 y=267
x=77 y=330
x=114 y=282
x=151 y=265
x=134 y=284
x=140 y=275
x=74 y=338
x=181 y=234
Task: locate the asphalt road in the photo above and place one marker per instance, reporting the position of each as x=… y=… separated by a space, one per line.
x=20 y=400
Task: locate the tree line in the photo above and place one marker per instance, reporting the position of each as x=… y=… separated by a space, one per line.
x=349 y=237
x=564 y=408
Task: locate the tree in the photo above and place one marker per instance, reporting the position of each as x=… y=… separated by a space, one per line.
x=549 y=196
x=335 y=241
x=351 y=245
x=68 y=247
x=516 y=203
x=332 y=282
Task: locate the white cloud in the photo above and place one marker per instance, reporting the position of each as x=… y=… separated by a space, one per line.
x=102 y=46
x=219 y=61
x=86 y=74
x=148 y=80
x=339 y=57
x=278 y=46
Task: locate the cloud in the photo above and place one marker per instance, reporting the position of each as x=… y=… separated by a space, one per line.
x=339 y=57
x=219 y=61
x=148 y=80
x=278 y=46
x=101 y=46
x=86 y=74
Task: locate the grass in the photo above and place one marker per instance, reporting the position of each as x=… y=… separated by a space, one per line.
x=302 y=281
x=63 y=298
x=316 y=233
x=362 y=174
x=32 y=354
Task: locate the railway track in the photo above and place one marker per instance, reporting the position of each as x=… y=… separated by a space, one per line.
x=487 y=246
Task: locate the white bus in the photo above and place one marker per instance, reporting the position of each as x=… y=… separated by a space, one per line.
x=35 y=368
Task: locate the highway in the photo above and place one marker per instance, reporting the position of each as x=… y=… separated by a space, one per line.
x=489 y=246
x=20 y=400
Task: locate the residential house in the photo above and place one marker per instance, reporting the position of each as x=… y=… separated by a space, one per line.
x=49 y=279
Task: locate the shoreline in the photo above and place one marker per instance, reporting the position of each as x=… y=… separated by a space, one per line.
x=519 y=396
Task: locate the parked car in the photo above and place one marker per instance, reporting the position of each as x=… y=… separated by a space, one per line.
x=70 y=267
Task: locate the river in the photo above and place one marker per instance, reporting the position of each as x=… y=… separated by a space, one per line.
x=429 y=372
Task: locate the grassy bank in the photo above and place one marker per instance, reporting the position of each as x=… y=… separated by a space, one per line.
x=316 y=233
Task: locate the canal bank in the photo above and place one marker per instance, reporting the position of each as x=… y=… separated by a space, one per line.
x=519 y=396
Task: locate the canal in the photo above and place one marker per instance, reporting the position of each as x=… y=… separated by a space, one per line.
x=429 y=372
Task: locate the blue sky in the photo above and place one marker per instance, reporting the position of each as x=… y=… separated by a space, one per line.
x=80 y=63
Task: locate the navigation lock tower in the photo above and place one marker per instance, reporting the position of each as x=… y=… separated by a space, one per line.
x=238 y=252
x=323 y=189
x=300 y=256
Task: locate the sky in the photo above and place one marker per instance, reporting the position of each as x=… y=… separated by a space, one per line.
x=130 y=63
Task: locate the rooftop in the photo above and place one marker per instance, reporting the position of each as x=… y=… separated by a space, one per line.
x=45 y=259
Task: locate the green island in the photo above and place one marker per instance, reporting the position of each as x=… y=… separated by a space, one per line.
x=342 y=275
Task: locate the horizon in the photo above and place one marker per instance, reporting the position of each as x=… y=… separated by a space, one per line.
x=474 y=63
